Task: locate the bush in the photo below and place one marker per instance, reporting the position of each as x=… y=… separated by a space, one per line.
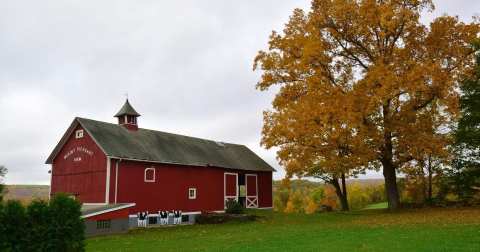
x=14 y=227
x=38 y=222
x=42 y=227
x=234 y=207
x=66 y=228
x=216 y=218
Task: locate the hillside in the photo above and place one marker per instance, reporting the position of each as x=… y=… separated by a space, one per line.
x=26 y=193
x=299 y=184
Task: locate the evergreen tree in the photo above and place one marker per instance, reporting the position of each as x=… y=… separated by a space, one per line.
x=3 y=172
x=38 y=222
x=466 y=172
x=14 y=227
x=66 y=229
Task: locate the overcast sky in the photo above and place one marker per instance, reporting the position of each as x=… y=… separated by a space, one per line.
x=186 y=66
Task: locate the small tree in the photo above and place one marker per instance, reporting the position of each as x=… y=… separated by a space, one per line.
x=14 y=222
x=66 y=229
x=466 y=166
x=37 y=225
x=3 y=172
x=234 y=207
x=3 y=242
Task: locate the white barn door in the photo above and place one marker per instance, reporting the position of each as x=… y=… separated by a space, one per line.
x=230 y=187
x=251 y=185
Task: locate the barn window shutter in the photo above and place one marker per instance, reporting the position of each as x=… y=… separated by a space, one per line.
x=149 y=175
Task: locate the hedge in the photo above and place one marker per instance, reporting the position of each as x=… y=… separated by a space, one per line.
x=42 y=226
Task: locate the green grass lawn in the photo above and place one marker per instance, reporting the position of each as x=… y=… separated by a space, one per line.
x=366 y=230
x=381 y=205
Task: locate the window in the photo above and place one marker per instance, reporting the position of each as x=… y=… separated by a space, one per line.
x=133 y=120
x=192 y=193
x=149 y=175
x=152 y=220
x=242 y=191
x=103 y=224
x=79 y=133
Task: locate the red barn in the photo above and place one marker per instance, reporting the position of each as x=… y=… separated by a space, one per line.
x=105 y=163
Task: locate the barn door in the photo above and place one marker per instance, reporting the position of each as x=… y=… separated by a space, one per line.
x=231 y=187
x=252 y=191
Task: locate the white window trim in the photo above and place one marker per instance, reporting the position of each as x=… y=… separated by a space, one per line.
x=145 y=175
x=79 y=134
x=194 y=190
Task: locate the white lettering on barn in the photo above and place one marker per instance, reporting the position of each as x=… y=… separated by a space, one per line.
x=79 y=149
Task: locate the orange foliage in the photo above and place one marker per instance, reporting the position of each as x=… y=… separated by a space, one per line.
x=330 y=198
x=363 y=83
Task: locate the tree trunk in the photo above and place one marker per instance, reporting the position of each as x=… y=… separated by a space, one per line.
x=342 y=196
x=421 y=175
x=344 y=190
x=429 y=197
x=389 y=169
x=391 y=186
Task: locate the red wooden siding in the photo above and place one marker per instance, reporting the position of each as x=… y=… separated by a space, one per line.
x=117 y=214
x=170 y=189
x=231 y=185
x=265 y=189
x=251 y=182
x=77 y=172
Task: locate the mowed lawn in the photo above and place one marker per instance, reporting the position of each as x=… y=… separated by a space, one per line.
x=366 y=230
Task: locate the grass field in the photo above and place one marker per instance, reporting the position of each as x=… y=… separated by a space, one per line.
x=382 y=205
x=366 y=230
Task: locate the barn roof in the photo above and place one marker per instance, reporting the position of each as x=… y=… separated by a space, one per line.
x=89 y=210
x=127 y=109
x=156 y=146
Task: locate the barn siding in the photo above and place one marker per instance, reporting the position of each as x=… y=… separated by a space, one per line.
x=170 y=189
x=265 y=189
x=111 y=198
x=117 y=214
x=85 y=178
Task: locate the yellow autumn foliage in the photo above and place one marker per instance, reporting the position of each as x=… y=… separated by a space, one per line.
x=363 y=84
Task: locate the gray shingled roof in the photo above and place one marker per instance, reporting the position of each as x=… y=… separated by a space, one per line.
x=90 y=210
x=150 y=145
x=127 y=109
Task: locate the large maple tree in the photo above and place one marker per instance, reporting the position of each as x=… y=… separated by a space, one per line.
x=362 y=83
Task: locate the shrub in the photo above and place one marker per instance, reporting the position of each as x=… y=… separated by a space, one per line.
x=42 y=227
x=234 y=207
x=38 y=222
x=210 y=218
x=216 y=218
x=296 y=203
x=66 y=229
x=14 y=227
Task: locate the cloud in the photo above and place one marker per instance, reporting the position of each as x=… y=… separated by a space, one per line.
x=186 y=65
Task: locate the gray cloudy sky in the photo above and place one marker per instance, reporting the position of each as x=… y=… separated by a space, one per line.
x=186 y=65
